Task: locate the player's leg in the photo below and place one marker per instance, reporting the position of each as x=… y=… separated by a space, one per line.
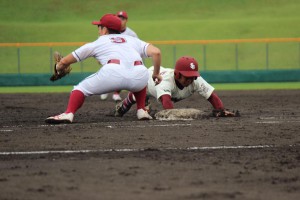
x=125 y=105
x=97 y=83
x=140 y=96
x=75 y=102
x=138 y=87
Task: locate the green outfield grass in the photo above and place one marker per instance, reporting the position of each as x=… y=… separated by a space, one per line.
x=70 y=21
x=223 y=86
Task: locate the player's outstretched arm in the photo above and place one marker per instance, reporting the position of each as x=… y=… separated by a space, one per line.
x=215 y=101
x=166 y=101
x=155 y=54
x=219 y=110
x=65 y=62
x=60 y=70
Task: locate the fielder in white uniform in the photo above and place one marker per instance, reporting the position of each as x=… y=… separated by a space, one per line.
x=177 y=84
x=124 y=31
x=129 y=31
x=121 y=58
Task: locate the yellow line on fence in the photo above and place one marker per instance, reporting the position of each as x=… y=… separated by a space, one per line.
x=263 y=40
x=266 y=40
x=41 y=44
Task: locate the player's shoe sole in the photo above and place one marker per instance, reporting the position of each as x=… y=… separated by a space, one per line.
x=54 y=121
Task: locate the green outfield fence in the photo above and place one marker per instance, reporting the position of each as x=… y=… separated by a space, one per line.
x=236 y=60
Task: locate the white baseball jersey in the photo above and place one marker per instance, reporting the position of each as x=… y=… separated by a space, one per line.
x=112 y=76
x=129 y=31
x=168 y=86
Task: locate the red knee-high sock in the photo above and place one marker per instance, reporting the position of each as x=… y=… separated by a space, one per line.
x=140 y=98
x=75 y=101
x=128 y=101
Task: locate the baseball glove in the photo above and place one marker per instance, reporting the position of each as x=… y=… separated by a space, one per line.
x=225 y=113
x=61 y=73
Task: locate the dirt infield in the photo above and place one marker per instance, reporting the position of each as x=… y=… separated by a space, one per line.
x=255 y=156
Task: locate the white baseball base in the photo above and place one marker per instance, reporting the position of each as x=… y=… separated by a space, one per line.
x=179 y=114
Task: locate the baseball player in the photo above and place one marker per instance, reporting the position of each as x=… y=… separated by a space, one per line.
x=177 y=84
x=126 y=31
x=121 y=58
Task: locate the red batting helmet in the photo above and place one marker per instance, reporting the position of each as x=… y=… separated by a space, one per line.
x=186 y=66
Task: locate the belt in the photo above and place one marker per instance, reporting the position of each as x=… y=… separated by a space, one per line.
x=116 y=61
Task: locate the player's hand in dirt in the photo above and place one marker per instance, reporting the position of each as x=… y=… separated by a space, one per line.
x=225 y=113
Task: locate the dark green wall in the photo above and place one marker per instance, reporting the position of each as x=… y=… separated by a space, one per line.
x=209 y=76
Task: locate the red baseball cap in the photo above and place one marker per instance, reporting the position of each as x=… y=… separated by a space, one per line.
x=187 y=66
x=110 y=21
x=122 y=14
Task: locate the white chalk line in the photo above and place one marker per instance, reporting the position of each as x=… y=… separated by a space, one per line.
x=105 y=126
x=141 y=149
x=6 y=128
x=152 y=125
